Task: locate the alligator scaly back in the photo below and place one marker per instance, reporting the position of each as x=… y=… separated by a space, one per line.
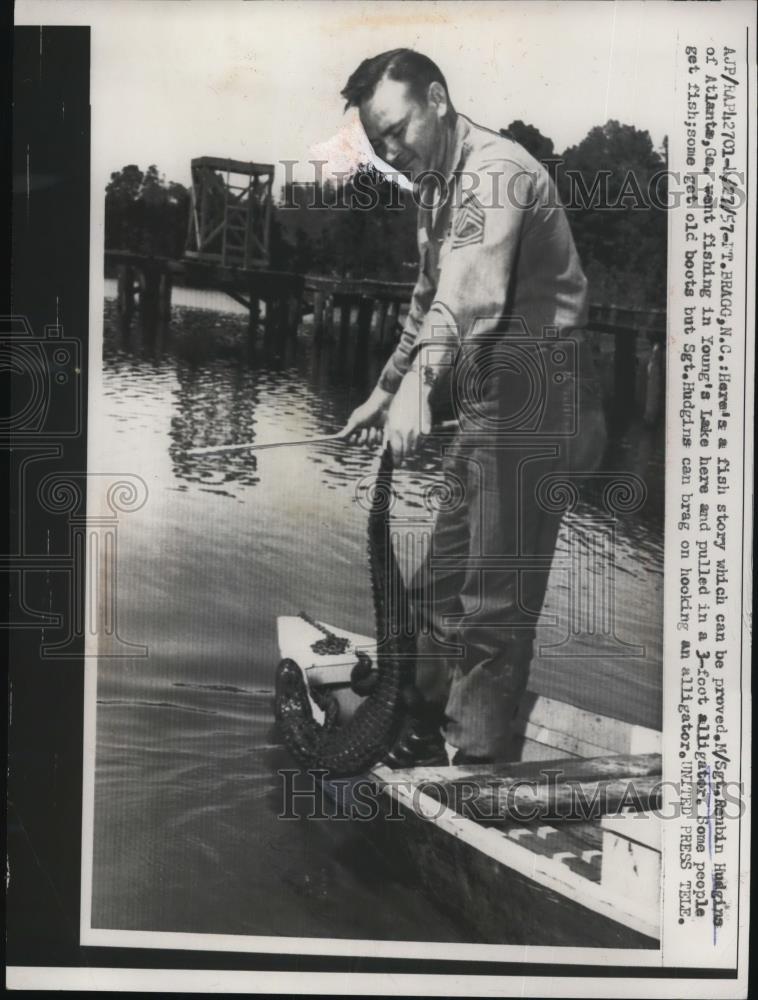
x=371 y=732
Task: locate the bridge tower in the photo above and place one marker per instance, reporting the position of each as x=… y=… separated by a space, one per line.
x=230 y=213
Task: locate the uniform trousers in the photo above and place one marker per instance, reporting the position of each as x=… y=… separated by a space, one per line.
x=477 y=596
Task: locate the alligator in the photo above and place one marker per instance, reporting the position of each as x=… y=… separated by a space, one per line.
x=367 y=737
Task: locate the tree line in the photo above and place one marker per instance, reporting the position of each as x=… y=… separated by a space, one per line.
x=605 y=181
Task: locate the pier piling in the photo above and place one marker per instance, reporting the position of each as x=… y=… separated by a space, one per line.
x=633 y=370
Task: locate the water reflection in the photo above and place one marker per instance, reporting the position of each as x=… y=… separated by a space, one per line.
x=233 y=388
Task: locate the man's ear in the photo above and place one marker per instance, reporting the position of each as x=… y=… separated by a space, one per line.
x=437 y=97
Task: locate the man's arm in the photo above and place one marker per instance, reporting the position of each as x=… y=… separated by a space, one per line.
x=399 y=362
x=363 y=423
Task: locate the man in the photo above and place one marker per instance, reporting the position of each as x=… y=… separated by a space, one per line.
x=500 y=284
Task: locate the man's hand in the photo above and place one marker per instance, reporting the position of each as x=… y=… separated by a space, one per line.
x=366 y=421
x=409 y=417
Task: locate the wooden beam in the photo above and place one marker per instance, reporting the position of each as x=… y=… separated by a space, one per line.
x=164 y=295
x=624 y=374
x=237 y=297
x=393 y=312
x=137 y=259
x=563 y=798
x=573 y=730
x=125 y=295
x=346 y=309
x=381 y=322
x=318 y=313
x=390 y=290
x=365 y=314
x=515 y=772
x=233 y=166
x=499 y=887
x=631 y=857
x=210 y=236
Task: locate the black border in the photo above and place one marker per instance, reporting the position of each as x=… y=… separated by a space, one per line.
x=45 y=733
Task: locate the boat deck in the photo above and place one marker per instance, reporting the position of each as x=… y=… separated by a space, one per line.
x=559 y=847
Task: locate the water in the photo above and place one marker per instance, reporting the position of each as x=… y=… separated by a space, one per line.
x=187 y=796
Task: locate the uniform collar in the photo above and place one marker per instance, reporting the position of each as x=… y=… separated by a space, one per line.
x=457 y=152
x=458 y=147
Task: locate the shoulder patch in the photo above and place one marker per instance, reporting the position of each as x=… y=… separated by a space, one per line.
x=468 y=227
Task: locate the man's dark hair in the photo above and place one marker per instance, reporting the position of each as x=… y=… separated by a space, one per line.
x=410 y=67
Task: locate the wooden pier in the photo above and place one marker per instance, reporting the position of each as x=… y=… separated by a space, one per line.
x=372 y=311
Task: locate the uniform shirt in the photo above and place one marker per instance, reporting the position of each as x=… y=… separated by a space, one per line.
x=496 y=244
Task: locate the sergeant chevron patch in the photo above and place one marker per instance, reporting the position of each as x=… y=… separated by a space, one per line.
x=468 y=227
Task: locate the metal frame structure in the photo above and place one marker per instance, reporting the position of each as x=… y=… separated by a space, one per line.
x=230 y=213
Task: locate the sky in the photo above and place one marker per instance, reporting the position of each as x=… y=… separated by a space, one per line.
x=176 y=79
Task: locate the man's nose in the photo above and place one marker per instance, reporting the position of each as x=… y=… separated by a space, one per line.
x=391 y=152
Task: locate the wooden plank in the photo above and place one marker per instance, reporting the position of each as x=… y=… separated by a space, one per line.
x=503 y=890
x=346 y=310
x=127 y=257
x=624 y=371
x=585 y=733
x=638 y=828
x=571 y=788
x=381 y=321
x=125 y=285
x=575 y=838
x=612 y=328
x=526 y=749
x=562 y=845
x=212 y=235
x=165 y=284
x=512 y=773
x=393 y=312
x=254 y=313
x=390 y=290
x=294 y=311
x=562 y=743
x=318 y=313
x=237 y=297
x=329 y=316
x=203 y=257
x=630 y=866
x=365 y=315
x=232 y=166
x=567 y=800
x=634 y=319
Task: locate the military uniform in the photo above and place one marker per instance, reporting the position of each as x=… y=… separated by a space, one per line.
x=498 y=306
